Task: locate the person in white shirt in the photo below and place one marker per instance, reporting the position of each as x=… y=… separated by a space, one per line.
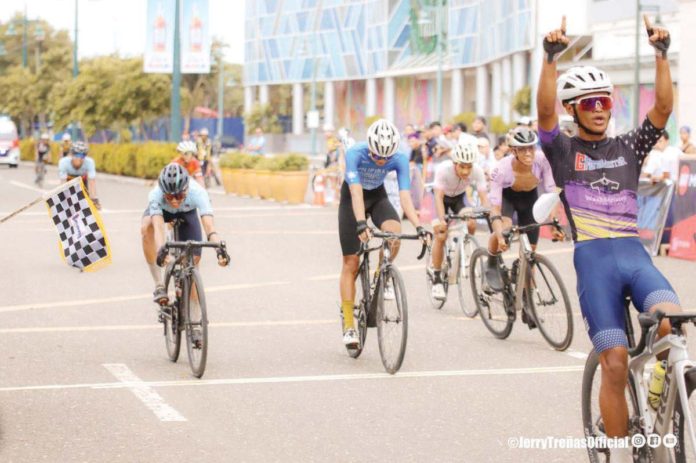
x=484 y=158
x=670 y=158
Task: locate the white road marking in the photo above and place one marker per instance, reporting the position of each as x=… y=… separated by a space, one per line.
x=145 y=393
x=26 y=187
x=290 y=208
x=63 y=329
x=107 y=300
x=405 y=268
x=306 y=379
x=576 y=354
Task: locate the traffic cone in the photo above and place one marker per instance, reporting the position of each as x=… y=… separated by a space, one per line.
x=319 y=191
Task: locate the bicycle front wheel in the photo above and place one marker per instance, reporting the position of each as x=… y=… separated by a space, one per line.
x=196 y=324
x=549 y=303
x=490 y=304
x=392 y=321
x=685 y=450
x=171 y=319
x=466 y=303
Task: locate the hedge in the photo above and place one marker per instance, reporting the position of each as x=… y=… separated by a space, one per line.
x=144 y=160
x=285 y=162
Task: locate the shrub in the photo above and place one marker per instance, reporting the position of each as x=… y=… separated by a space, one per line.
x=467 y=118
x=498 y=126
x=265 y=163
x=293 y=162
x=371 y=119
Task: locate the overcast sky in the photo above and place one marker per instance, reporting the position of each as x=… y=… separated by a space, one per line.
x=108 y=26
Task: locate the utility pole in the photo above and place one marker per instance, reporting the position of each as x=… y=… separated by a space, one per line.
x=220 y=98
x=438 y=21
x=75 y=71
x=175 y=102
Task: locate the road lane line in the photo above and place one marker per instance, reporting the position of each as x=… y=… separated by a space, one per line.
x=293 y=208
x=576 y=354
x=136 y=297
x=306 y=379
x=145 y=393
x=62 y=329
x=405 y=268
x=26 y=187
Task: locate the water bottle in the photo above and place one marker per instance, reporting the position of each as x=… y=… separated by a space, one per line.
x=657 y=381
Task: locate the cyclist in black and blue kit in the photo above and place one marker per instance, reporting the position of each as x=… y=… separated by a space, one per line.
x=363 y=195
x=599 y=178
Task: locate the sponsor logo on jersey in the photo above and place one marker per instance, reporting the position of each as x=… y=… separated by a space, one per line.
x=584 y=163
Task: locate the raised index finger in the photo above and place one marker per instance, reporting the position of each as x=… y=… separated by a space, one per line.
x=563 y=24
x=646 y=20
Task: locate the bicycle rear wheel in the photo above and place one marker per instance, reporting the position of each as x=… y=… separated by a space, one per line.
x=171 y=318
x=685 y=450
x=360 y=312
x=592 y=423
x=392 y=321
x=491 y=305
x=549 y=303
x=429 y=276
x=196 y=324
x=467 y=248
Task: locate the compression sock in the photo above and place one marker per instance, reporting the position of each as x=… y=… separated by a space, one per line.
x=347 y=310
x=156 y=273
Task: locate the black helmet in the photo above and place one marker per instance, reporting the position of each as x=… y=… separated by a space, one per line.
x=79 y=148
x=522 y=137
x=173 y=179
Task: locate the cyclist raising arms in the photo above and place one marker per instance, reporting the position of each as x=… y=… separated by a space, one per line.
x=175 y=197
x=187 y=159
x=599 y=176
x=363 y=194
x=452 y=179
x=78 y=164
x=514 y=183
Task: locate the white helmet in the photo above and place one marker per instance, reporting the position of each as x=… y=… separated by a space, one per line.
x=465 y=152
x=186 y=146
x=582 y=80
x=383 y=138
x=204 y=131
x=67 y=137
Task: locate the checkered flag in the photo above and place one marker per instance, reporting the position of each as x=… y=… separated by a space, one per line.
x=80 y=228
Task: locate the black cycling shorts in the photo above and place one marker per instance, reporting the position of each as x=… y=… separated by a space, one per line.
x=521 y=202
x=189 y=228
x=454 y=204
x=377 y=207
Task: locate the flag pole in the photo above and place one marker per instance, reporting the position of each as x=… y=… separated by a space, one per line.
x=43 y=197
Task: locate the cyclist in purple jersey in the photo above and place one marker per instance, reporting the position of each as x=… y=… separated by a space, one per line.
x=599 y=178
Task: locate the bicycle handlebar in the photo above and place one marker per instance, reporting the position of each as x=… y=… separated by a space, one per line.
x=469 y=213
x=517 y=230
x=365 y=248
x=195 y=244
x=649 y=320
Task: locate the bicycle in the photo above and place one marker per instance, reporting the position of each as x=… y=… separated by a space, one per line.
x=527 y=289
x=459 y=248
x=373 y=312
x=673 y=413
x=40 y=170
x=186 y=308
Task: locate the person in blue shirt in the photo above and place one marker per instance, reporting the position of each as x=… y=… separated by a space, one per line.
x=78 y=164
x=362 y=196
x=175 y=197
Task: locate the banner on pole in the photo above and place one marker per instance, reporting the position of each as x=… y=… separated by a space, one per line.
x=194 y=32
x=159 y=39
x=683 y=240
x=654 y=200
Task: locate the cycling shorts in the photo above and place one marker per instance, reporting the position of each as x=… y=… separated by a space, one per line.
x=377 y=207
x=454 y=204
x=189 y=228
x=607 y=270
x=521 y=202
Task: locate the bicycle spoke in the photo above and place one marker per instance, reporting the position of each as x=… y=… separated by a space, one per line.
x=548 y=303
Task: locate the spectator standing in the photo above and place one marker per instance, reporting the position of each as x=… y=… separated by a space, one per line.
x=686 y=146
x=257 y=143
x=478 y=127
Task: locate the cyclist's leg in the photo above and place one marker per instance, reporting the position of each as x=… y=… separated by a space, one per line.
x=385 y=217
x=441 y=237
x=600 y=289
x=350 y=245
x=524 y=205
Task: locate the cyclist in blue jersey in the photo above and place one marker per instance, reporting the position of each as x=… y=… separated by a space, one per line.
x=78 y=164
x=175 y=197
x=362 y=196
x=599 y=178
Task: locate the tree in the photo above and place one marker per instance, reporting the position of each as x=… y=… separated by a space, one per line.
x=522 y=101
x=19 y=96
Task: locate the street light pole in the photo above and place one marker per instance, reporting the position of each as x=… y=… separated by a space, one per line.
x=75 y=70
x=175 y=101
x=220 y=99
x=438 y=21
x=313 y=96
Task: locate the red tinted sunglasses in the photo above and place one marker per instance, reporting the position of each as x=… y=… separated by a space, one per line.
x=590 y=103
x=178 y=196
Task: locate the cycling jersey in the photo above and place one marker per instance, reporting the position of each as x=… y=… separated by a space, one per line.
x=361 y=169
x=503 y=176
x=66 y=169
x=196 y=198
x=600 y=179
x=193 y=167
x=447 y=180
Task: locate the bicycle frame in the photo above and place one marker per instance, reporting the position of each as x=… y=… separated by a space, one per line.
x=677 y=364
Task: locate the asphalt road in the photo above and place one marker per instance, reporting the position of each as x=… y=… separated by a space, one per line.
x=84 y=374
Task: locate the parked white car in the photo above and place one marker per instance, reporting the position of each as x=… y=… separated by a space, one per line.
x=9 y=142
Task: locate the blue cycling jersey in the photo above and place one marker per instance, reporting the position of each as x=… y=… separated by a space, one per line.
x=65 y=168
x=196 y=198
x=361 y=169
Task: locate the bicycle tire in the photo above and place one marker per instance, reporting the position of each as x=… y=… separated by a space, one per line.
x=360 y=313
x=399 y=316
x=196 y=327
x=435 y=303
x=683 y=453
x=562 y=342
x=468 y=248
x=591 y=417
x=502 y=328
x=172 y=325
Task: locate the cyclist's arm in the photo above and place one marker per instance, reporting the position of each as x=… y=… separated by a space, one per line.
x=209 y=228
x=403 y=177
x=92 y=188
x=158 y=225
x=483 y=194
x=62 y=170
x=664 y=97
x=546 y=91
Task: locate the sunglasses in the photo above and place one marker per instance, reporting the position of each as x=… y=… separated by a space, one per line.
x=590 y=103
x=177 y=197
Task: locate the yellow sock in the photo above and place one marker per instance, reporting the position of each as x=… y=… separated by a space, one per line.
x=347 y=309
